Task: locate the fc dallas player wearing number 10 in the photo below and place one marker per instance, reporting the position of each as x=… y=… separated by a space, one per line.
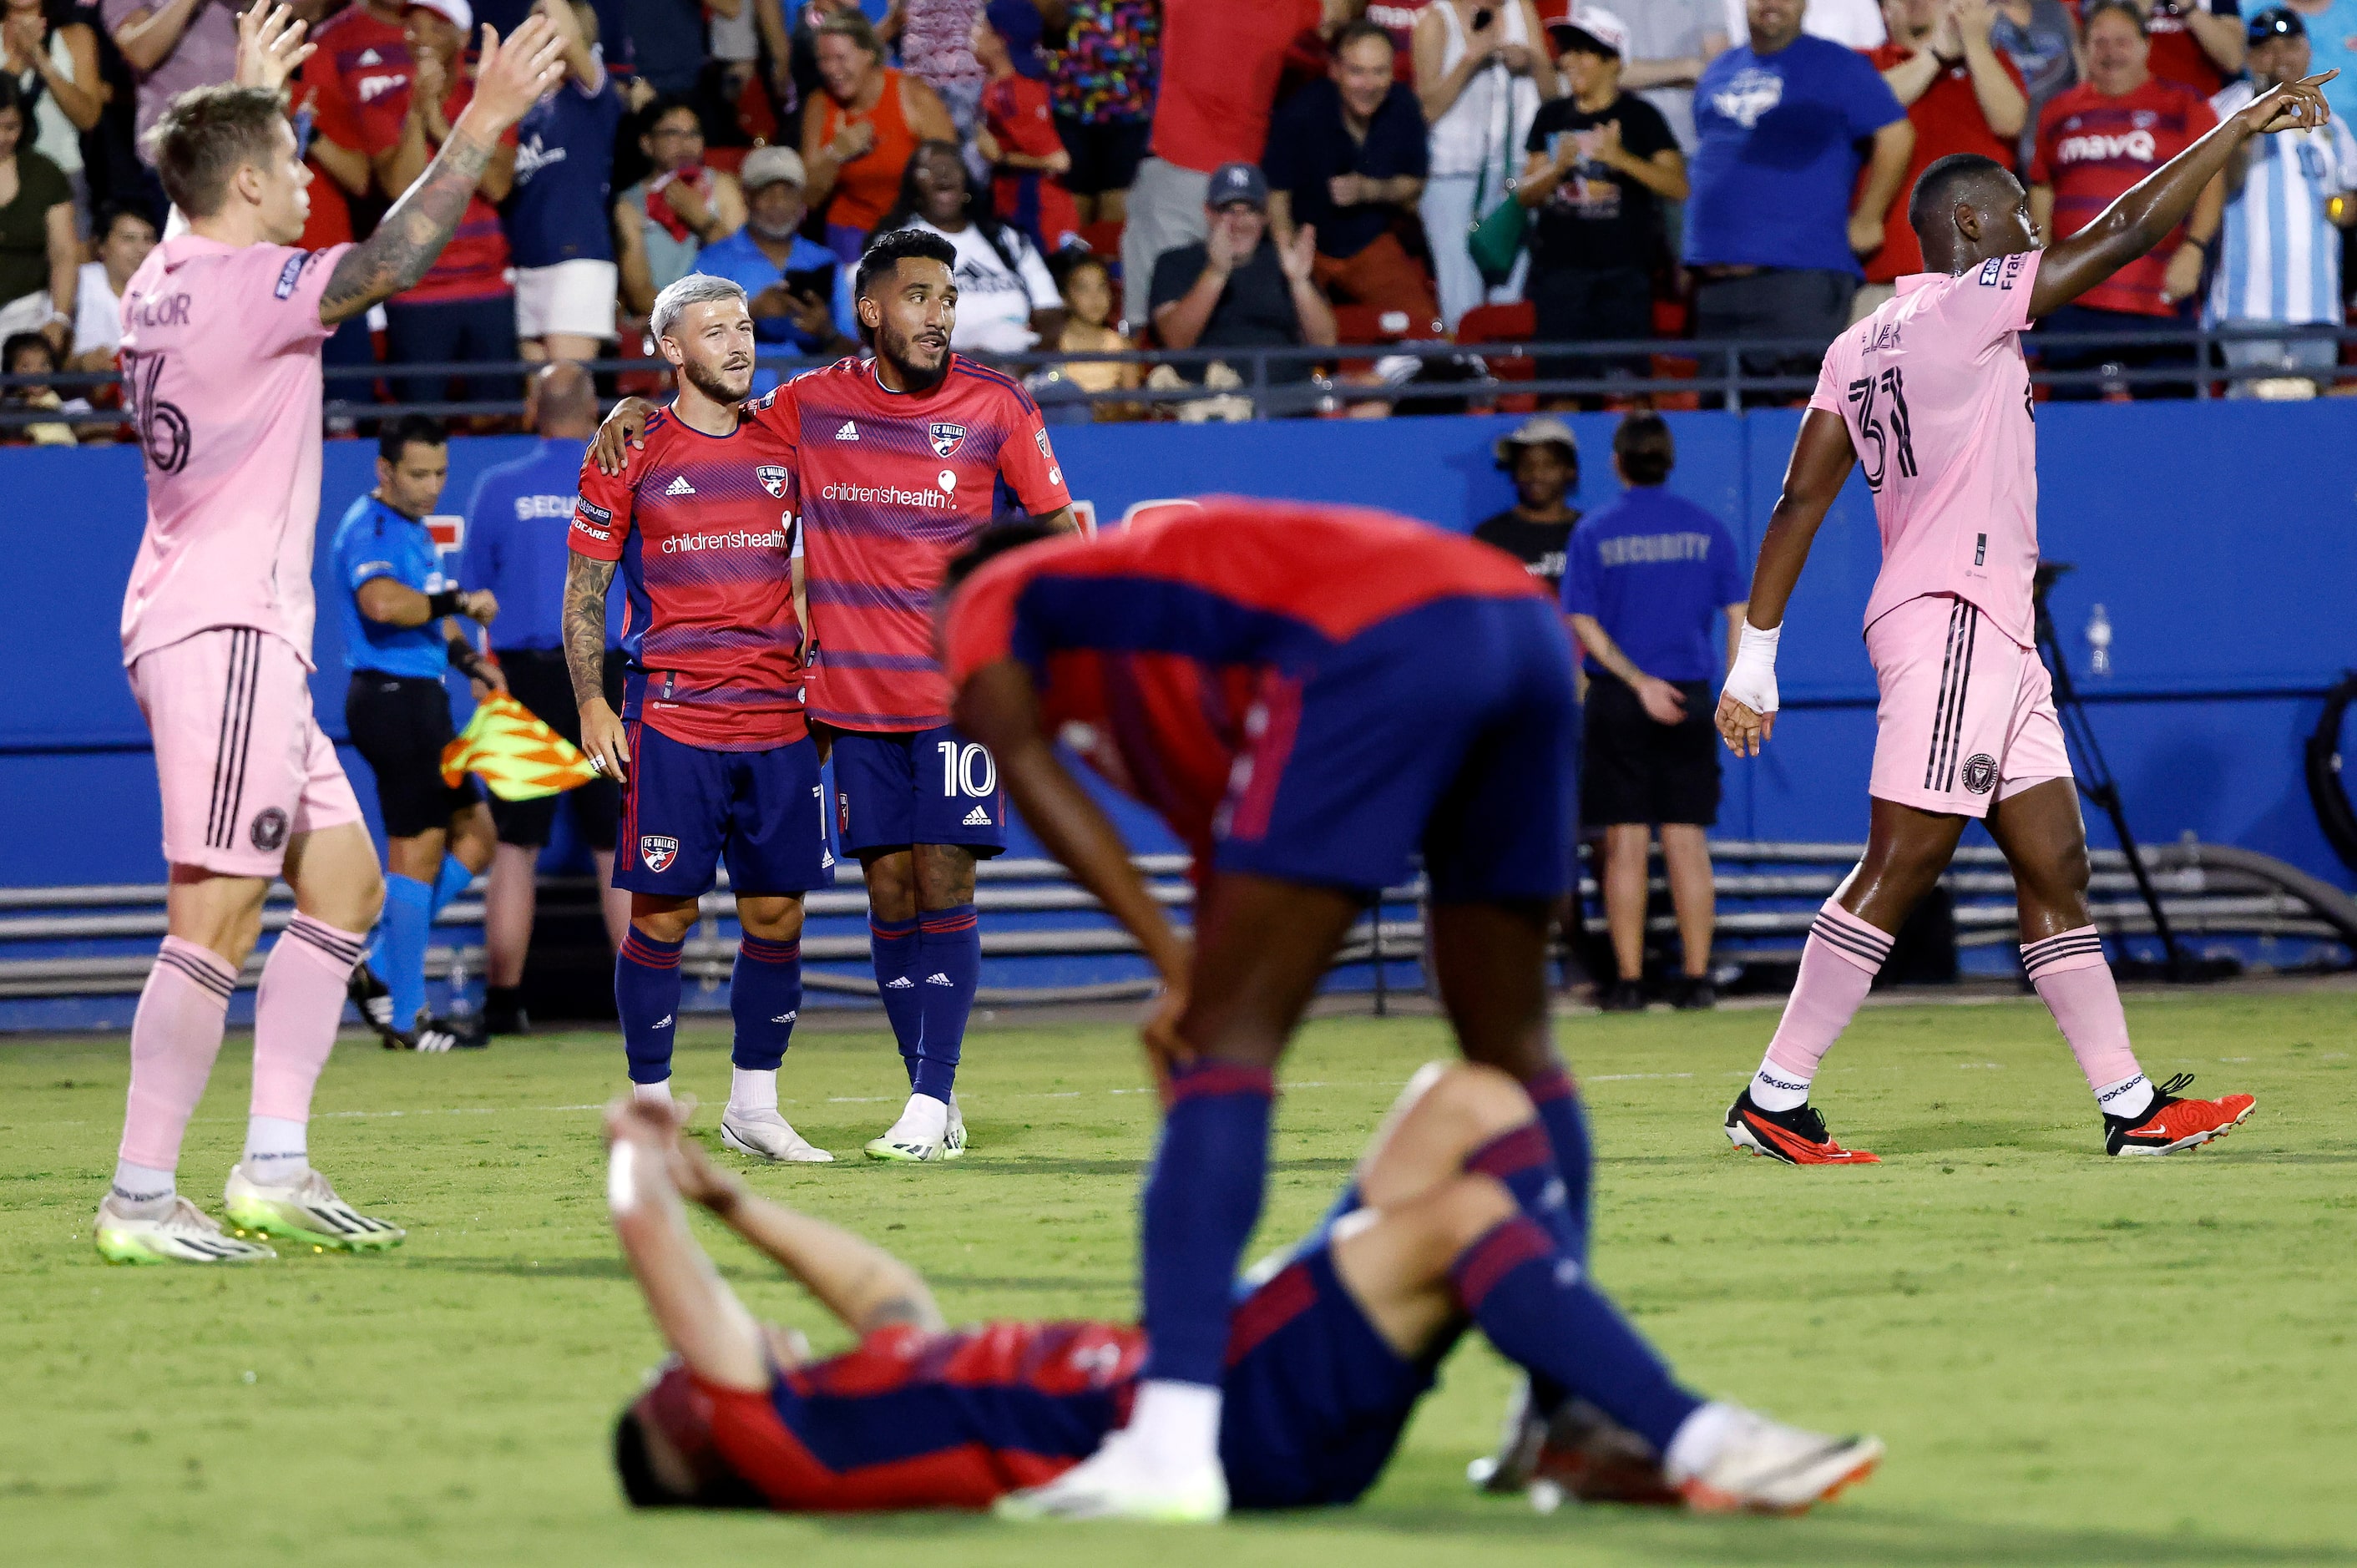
x=897 y=459
x=1930 y=395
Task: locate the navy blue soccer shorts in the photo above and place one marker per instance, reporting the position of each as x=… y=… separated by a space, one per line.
x=927 y=786
x=1451 y=729
x=1313 y=1400
x=685 y=808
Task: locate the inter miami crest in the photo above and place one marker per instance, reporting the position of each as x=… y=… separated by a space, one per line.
x=773 y=478
x=658 y=853
x=946 y=438
x=1980 y=773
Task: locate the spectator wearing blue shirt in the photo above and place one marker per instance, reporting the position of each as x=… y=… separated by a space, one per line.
x=1778 y=216
x=1647 y=576
x=517 y=522
x=559 y=224
x=399 y=636
x=801 y=295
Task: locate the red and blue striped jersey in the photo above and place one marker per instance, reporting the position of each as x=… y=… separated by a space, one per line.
x=1151 y=647
x=893 y=484
x=704 y=527
x=909 y=1419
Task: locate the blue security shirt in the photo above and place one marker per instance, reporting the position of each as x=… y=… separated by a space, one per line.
x=516 y=526
x=1777 y=150
x=374 y=540
x=1655 y=570
x=743 y=263
x=562 y=208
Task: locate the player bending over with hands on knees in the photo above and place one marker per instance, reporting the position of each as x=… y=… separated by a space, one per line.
x=1454 y=1217
x=220 y=351
x=1930 y=394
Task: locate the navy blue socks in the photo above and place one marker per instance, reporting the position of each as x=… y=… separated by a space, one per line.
x=646 y=995
x=947 y=968
x=1199 y=1206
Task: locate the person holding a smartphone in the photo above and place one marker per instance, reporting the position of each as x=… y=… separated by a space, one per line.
x=801 y=298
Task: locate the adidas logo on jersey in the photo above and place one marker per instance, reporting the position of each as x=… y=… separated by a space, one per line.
x=679 y=487
x=901 y=983
x=977 y=818
x=938 y=977
x=850 y=431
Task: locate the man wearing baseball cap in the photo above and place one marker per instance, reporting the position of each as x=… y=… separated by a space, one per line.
x=1237 y=288
x=801 y=300
x=2280 y=247
x=1542 y=460
x=1601 y=164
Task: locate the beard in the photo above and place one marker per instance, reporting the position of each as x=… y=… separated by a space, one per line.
x=717 y=384
x=917 y=374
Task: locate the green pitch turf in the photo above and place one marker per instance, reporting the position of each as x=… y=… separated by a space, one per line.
x=2074 y=1360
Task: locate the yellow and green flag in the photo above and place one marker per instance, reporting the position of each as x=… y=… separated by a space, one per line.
x=516 y=754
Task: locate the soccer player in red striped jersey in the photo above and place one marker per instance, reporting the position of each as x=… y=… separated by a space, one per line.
x=711 y=747
x=900 y=458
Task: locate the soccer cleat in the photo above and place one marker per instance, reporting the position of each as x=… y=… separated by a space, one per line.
x=186 y=1235
x=308 y=1211
x=768 y=1135
x=373 y=1001
x=1765 y=1466
x=954 y=1140
x=1579 y=1452
x=2169 y=1122
x=1116 y=1482
x=434 y=1035
x=922 y=1135
x=1797 y=1137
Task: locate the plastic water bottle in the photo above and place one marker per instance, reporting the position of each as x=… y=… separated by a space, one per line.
x=2099 y=638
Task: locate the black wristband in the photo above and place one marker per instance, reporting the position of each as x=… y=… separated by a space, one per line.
x=460 y=654
x=445 y=603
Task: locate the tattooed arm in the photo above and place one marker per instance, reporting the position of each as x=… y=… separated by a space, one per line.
x=585 y=582
x=511 y=78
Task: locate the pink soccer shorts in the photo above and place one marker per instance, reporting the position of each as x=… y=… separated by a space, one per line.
x=1966 y=714
x=243 y=765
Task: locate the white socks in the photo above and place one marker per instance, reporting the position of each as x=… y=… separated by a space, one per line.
x=752 y=1089
x=2129 y=1097
x=142 y=1192
x=923 y=1120
x=1776 y=1087
x=276 y=1152
x=1698 y=1439
x=651 y=1093
x=1174 y=1426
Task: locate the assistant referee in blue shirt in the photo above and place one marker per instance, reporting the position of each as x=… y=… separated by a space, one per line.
x=516 y=527
x=1647 y=576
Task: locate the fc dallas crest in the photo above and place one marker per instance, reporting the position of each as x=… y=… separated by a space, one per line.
x=658 y=853
x=773 y=478
x=946 y=438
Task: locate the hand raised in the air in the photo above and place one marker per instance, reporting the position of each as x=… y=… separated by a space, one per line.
x=624 y=428
x=511 y=77
x=1298 y=258
x=2289 y=107
x=270 y=46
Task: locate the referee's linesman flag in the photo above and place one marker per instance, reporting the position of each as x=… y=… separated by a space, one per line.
x=518 y=755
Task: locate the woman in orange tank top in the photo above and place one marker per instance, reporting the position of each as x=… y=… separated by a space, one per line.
x=858 y=135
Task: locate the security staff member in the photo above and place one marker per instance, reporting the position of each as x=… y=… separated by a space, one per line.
x=1646 y=576
x=515 y=551
x=399 y=636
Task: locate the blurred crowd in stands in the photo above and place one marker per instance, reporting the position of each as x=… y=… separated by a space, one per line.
x=1218 y=175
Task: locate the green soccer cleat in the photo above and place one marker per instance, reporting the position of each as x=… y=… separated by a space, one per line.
x=927 y=1133
x=306 y=1211
x=186 y=1235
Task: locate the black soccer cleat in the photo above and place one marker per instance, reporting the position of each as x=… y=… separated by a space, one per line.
x=373 y=1001
x=1797 y=1137
x=434 y=1035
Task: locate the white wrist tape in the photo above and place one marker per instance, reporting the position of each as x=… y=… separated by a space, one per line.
x=1752 y=680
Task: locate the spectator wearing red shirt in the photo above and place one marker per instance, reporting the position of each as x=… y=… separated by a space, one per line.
x=363 y=53
x=1221 y=61
x=463 y=308
x=2094 y=142
x=1018 y=135
x=2196 y=43
x=1962 y=96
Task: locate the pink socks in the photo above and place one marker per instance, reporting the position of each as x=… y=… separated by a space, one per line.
x=1837 y=968
x=175 y=1037
x=2076 y=986
x=296 y=1014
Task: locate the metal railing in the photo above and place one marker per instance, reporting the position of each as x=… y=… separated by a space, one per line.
x=1293 y=381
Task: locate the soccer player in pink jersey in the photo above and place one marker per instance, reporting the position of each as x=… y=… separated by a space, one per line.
x=1930 y=395
x=220 y=351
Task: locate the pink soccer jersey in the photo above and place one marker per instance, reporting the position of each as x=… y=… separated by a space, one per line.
x=221 y=358
x=1936 y=395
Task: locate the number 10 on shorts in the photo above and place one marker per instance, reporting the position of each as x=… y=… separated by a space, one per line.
x=967 y=770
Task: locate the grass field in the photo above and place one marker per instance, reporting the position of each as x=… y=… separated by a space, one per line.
x=2074 y=1360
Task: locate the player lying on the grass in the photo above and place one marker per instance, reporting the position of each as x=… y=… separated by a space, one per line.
x=220 y=350
x=1309 y=696
x=1453 y=1218
x=1931 y=393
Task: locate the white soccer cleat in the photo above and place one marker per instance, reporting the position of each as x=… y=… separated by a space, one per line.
x=1116 y=1482
x=954 y=1140
x=305 y=1211
x=186 y=1235
x=922 y=1135
x=1765 y=1466
x=768 y=1135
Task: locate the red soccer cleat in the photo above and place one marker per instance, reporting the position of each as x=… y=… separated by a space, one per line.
x=2170 y=1123
x=1797 y=1137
